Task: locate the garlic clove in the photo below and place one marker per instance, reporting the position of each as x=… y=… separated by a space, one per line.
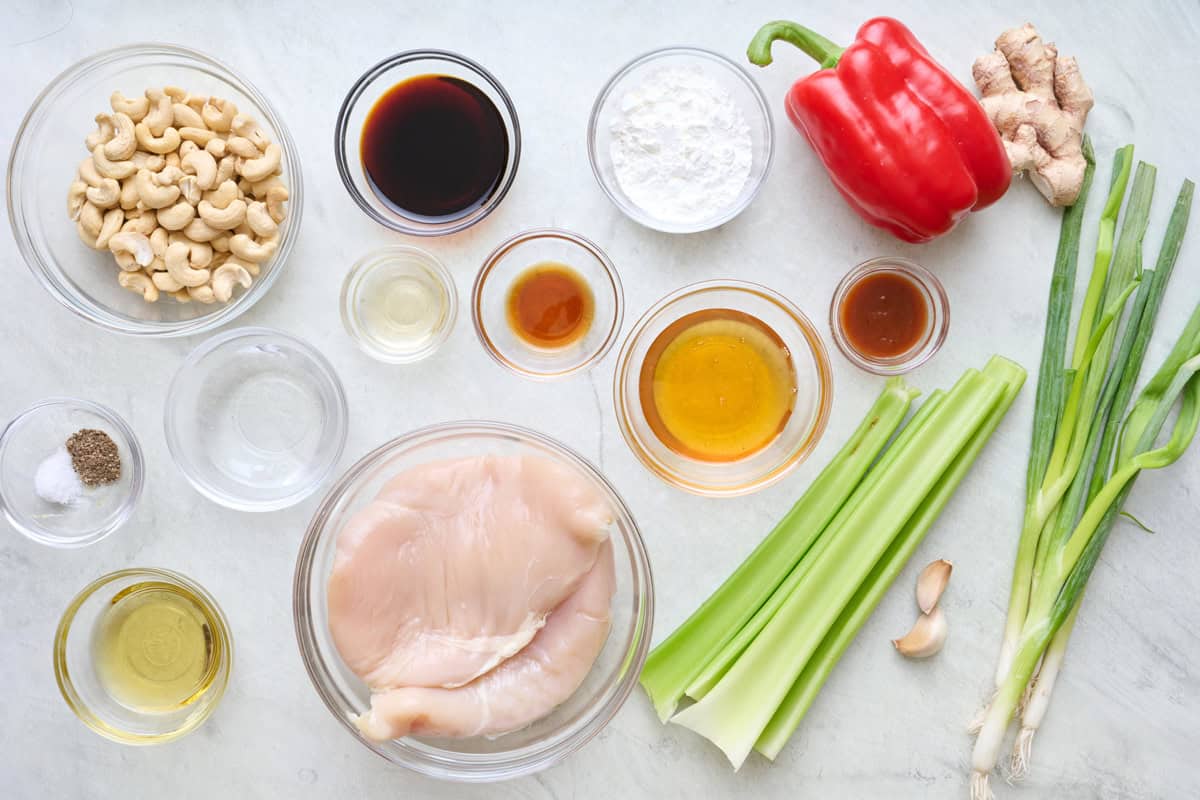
x=931 y=583
x=926 y=637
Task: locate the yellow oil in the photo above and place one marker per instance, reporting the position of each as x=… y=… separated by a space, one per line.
x=154 y=649
x=717 y=385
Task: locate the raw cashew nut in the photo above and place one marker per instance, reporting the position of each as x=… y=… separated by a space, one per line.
x=106 y=195
x=105 y=130
x=276 y=197
x=177 y=216
x=221 y=243
x=118 y=170
x=85 y=237
x=257 y=169
x=201 y=164
x=151 y=161
x=134 y=108
x=153 y=195
x=218 y=114
x=129 y=194
x=260 y=221
x=186 y=147
x=166 y=142
x=76 y=196
x=248 y=129
x=184 y=116
x=165 y=282
x=137 y=244
x=90 y=219
x=159 y=239
x=179 y=269
x=198 y=136
x=246 y=249
x=189 y=188
x=216 y=146
x=195 y=101
x=200 y=254
x=160 y=116
x=182 y=296
x=223 y=195
x=199 y=231
x=113 y=219
x=202 y=294
x=225 y=218
x=88 y=172
x=123 y=143
x=225 y=168
x=143 y=222
x=168 y=176
x=139 y=282
x=241 y=146
x=224 y=278
x=172 y=159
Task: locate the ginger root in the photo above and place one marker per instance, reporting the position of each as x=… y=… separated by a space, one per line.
x=1038 y=102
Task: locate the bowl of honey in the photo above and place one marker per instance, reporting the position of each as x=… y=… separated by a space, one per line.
x=427 y=142
x=547 y=303
x=722 y=388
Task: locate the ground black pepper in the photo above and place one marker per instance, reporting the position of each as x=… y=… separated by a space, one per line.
x=94 y=456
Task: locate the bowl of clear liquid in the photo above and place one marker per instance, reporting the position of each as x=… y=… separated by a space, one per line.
x=398 y=304
x=256 y=419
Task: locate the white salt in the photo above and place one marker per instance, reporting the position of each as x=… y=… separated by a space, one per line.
x=56 y=480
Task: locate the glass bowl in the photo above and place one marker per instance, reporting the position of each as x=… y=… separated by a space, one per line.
x=937 y=317
x=408 y=270
x=361 y=98
x=81 y=687
x=489 y=303
x=733 y=78
x=49 y=146
x=37 y=432
x=803 y=428
x=480 y=759
x=255 y=419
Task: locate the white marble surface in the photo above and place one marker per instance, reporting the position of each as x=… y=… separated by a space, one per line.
x=1124 y=719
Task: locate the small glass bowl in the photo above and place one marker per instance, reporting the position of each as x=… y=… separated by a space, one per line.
x=37 y=432
x=937 y=318
x=361 y=98
x=255 y=419
x=733 y=78
x=478 y=759
x=49 y=146
x=803 y=428
x=81 y=687
x=371 y=274
x=489 y=303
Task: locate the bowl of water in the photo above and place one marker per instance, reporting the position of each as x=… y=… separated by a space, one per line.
x=256 y=419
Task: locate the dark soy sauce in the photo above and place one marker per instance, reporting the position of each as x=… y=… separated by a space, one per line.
x=434 y=146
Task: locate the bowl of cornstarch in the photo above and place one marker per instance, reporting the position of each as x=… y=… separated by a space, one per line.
x=680 y=139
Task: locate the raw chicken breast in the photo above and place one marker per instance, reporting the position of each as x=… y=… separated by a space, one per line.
x=523 y=689
x=455 y=566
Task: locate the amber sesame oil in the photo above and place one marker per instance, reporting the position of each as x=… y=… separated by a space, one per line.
x=154 y=649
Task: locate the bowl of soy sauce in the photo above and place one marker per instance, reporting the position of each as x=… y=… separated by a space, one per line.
x=427 y=142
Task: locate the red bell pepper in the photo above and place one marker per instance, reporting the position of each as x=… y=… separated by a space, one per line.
x=908 y=146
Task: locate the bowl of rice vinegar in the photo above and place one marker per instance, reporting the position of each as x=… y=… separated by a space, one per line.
x=722 y=388
x=142 y=656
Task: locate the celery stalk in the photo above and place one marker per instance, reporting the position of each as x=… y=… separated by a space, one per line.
x=800 y=697
x=720 y=664
x=676 y=662
x=738 y=709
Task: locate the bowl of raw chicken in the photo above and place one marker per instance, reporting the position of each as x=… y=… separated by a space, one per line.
x=473 y=601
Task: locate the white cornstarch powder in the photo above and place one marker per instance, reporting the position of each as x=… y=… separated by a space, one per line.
x=681 y=148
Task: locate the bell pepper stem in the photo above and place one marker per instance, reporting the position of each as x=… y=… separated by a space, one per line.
x=816 y=45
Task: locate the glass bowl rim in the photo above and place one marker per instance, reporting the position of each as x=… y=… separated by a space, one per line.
x=512 y=243
x=369 y=261
x=66 y=686
x=642 y=622
x=170 y=424
x=359 y=87
x=816 y=348
x=137 y=478
x=633 y=212
x=95 y=313
x=939 y=321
